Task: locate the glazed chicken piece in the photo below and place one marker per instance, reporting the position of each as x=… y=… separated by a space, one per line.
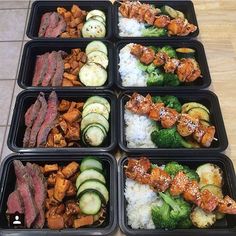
x=171 y=65
x=168 y=117
x=160 y=59
x=160 y=180
x=208 y=201
x=227 y=205
x=188 y=70
x=155 y=111
x=186 y=125
x=192 y=192
x=137 y=50
x=145 y=54
x=178 y=184
x=161 y=21
x=139 y=104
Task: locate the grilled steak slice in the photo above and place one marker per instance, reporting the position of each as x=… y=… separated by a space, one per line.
x=32 y=113
x=52 y=66
x=49 y=121
x=41 y=67
x=39 y=120
x=40 y=186
x=53 y=22
x=60 y=28
x=30 y=209
x=26 y=137
x=15 y=203
x=58 y=76
x=44 y=24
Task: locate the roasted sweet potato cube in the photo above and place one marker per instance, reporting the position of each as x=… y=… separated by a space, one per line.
x=74 y=64
x=72 y=115
x=72 y=106
x=83 y=221
x=80 y=26
x=76 y=11
x=83 y=58
x=64 y=105
x=67 y=16
x=80 y=105
x=55 y=222
x=51 y=179
x=57 y=138
x=63 y=125
x=50 y=140
x=60 y=209
x=66 y=83
x=73 y=132
x=62 y=143
x=50 y=168
x=50 y=192
x=71 y=191
x=66 y=66
x=55 y=130
x=70 y=169
x=65 y=35
x=61 y=10
x=61 y=186
x=74 y=177
x=69 y=76
x=76 y=83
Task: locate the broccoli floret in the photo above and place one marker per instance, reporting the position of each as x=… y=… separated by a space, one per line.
x=147 y=68
x=185 y=224
x=154 y=32
x=171 y=80
x=141 y=66
x=155 y=79
x=192 y=174
x=169 y=51
x=172 y=102
x=157 y=99
x=151 y=68
x=169 y=138
x=172 y=168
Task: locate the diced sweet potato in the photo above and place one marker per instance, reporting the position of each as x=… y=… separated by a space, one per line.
x=50 y=140
x=64 y=105
x=72 y=106
x=51 y=179
x=50 y=168
x=55 y=222
x=67 y=16
x=63 y=125
x=70 y=169
x=73 y=132
x=80 y=105
x=72 y=115
x=76 y=83
x=75 y=72
x=80 y=26
x=74 y=64
x=66 y=66
x=83 y=221
x=61 y=186
x=76 y=11
x=65 y=35
x=66 y=83
x=55 y=130
x=69 y=76
x=62 y=143
x=71 y=191
x=58 y=138
x=50 y=192
x=60 y=209
x=61 y=10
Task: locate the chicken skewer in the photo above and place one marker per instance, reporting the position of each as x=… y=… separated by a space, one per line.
x=186 y=125
x=159 y=180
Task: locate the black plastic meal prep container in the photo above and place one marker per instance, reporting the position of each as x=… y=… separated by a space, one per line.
x=40 y=7
x=207 y=98
x=200 y=57
x=8 y=179
x=226 y=226
x=39 y=47
x=184 y=6
x=28 y=97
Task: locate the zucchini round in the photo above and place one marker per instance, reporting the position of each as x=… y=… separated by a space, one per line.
x=91 y=162
x=97 y=99
x=167 y=10
x=98 y=18
x=185 y=53
x=93 y=28
x=96 y=46
x=199 y=113
x=96 y=13
x=94 y=136
x=98 y=58
x=96 y=108
x=187 y=106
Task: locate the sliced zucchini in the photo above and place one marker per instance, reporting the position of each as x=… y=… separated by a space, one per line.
x=90 y=203
x=91 y=162
x=96 y=13
x=204 y=122
x=210 y=174
x=98 y=125
x=94 y=185
x=97 y=99
x=94 y=118
x=187 y=106
x=185 y=53
x=93 y=28
x=180 y=14
x=98 y=58
x=169 y=11
x=92 y=74
x=216 y=190
x=97 y=108
x=96 y=46
x=94 y=136
x=98 y=18
x=199 y=113
x=89 y=174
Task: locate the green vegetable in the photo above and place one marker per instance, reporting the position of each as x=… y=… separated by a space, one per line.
x=157 y=99
x=169 y=51
x=169 y=138
x=171 y=80
x=185 y=224
x=155 y=79
x=192 y=174
x=154 y=32
x=172 y=102
x=147 y=68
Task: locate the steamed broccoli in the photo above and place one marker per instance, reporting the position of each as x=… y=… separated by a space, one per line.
x=169 y=51
x=171 y=80
x=147 y=68
x=173 y=210
x=192 y=174
x=185 y=224
x=169 y=138
x=157 y=99
x=154 y=32
x=155 y=79
x=172 y=102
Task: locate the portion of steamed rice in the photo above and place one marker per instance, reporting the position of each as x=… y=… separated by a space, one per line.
x=140 y=197
x=130 y=74
x=130 y=27
x=138 y=130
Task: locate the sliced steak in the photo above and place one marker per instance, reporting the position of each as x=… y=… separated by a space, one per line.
x=44 y=24
x=60 y=28
x=52 y=66
x=49 y=121
x=41 y=67
x=32 y=113
x=26 y=137
x=39 y=120
x=40 y=186
x=15 y=203
x=58 y=76
x=53 y=22
x=30 y=209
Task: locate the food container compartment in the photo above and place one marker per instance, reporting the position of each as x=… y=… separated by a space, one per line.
x=40 y=7
x=184 y=6
x=200 y=57
x=207 y=98
x=26 y=98
x=39 y=47
x=8 y=183
x=226 y=226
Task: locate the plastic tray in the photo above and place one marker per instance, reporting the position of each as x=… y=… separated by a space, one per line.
x=199 y=55
x=207 y=98
x=224 y=227
x=28 y=97
x=40 y=7
x=39 y=47
x=185 y=6
x=8 y=179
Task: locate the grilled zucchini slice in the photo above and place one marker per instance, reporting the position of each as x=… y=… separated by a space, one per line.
x=187 y=106
x=93 y=29
x=96 y=46
x=91 y=162
x=94 y=136
x=98 y=99
x=94 y=13
x=97 y=108
x=199 y=113
x=98 y=58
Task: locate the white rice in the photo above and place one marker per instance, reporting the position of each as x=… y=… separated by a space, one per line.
x=140 y=197
x=130 y=74
x=130 y=27
x=137 y=131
